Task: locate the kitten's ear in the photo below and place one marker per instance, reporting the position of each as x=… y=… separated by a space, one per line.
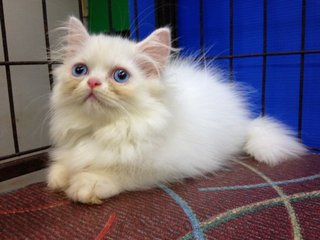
x=157 y=47
x=77 y=35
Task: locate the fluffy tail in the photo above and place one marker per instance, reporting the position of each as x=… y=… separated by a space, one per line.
x=271 y=142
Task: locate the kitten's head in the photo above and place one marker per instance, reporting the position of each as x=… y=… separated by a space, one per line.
x=103 y=74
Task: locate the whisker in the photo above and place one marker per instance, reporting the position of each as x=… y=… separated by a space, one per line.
x=34 y=100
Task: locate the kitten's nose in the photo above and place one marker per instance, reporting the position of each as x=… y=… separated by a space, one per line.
x=93 y=82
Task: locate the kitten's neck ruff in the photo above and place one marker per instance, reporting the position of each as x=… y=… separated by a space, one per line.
x=152 y=117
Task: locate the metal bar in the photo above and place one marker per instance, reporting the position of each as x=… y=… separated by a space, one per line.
x=4 y=63
x=263 y=54
x=110 y=16
x=136 y=22
x=165 y=14
x=174 y=23
x=264 y=60
x=316 y=149
x=303 y=40
x=201 y=12
x=23 y=166
x=231 y=40
x=10 y=63
x=158 y=13
x=9 y=83
x=47 y=41
x=24 y=152
x=80 y=10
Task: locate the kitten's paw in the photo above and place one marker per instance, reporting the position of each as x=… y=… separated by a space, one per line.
x=83 y=192
x=91 y=188
x=58 y=177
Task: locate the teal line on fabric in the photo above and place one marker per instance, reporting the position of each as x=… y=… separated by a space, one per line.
x=259 y=185
x=197 y=231
x=206 y=226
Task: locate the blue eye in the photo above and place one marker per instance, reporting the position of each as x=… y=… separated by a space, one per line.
x=120 y=76
x=79 y=70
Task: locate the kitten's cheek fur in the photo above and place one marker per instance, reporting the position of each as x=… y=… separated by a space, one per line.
x=88 y=187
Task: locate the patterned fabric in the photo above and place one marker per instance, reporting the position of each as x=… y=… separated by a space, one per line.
x=247 y=201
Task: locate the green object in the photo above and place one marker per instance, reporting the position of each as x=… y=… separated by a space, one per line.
x=108 y=16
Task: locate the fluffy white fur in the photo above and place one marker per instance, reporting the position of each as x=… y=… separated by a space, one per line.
x=172 y=120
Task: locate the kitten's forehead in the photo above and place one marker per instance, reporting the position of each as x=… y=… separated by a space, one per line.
x=108 y=50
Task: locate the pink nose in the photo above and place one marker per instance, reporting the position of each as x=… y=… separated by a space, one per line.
x=93 y=82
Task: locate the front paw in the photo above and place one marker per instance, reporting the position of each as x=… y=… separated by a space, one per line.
x=58 y=177
x=91 y=188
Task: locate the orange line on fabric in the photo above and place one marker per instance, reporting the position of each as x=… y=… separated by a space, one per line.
x=107 y=226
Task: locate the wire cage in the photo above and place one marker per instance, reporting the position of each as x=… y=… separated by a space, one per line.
x=271 y=45
x=25 y=77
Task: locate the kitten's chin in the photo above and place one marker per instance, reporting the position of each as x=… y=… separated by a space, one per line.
x=95 y=107
x=92 y=105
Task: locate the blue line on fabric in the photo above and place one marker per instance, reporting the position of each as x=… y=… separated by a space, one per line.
x=239 y=187
x=197 y=231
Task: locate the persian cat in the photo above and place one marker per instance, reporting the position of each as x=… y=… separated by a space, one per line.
x=127 y=116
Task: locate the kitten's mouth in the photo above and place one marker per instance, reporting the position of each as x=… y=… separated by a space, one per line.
x=91 y=96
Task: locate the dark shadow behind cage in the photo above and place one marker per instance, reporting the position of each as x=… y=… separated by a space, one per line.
x=271 y=45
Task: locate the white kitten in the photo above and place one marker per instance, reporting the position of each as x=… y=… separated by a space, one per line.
x=125 y=117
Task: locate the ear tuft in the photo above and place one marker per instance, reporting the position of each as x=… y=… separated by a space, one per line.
x=157 y=48
x=77 y=35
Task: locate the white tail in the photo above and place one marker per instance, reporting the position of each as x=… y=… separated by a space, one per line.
x=271 y=142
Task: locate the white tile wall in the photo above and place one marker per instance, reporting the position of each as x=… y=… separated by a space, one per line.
x=30 y=83
x=31 y=91
x=6 y=140
x=1 y=47
x=58 y=12
x=25 y=31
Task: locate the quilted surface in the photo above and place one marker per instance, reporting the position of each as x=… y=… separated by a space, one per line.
x=248 y=201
